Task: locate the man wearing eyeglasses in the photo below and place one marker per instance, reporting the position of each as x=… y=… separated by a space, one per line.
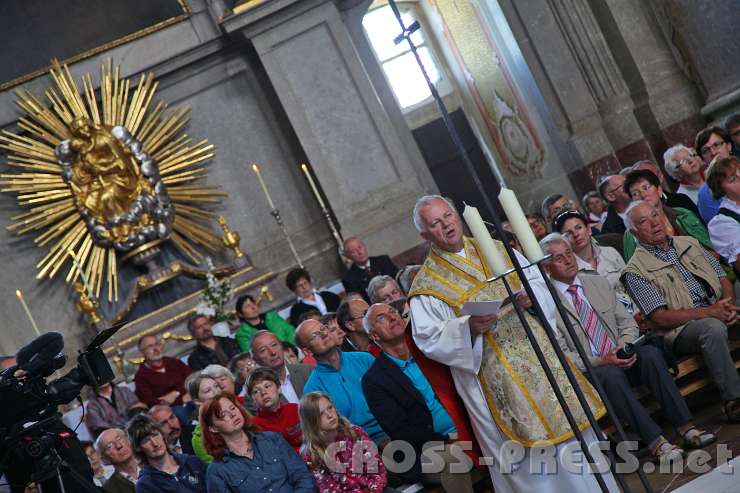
x=406 y=406
x=711 y=143
x=339 y=375
x=349 y=318
x=114 y=448
x=611 y=190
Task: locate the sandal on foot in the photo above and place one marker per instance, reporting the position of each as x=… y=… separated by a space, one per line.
x=698 y=439
x=666 y=453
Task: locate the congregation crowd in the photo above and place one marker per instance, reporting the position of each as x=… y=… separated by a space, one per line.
x=279 y=405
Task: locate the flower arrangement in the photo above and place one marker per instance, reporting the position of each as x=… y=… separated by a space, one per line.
x=215 y=296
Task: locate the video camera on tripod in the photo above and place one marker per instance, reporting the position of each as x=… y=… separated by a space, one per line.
x=34 y=443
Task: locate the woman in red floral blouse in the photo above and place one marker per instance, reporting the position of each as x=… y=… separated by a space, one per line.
x=354 y=463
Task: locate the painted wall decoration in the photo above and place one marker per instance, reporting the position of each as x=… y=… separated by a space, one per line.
x=492 y=89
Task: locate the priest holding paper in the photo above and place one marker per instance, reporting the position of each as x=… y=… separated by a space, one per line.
x=508 y=398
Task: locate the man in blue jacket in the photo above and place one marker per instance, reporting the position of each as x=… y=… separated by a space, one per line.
x=162 y=471
x=339 y=374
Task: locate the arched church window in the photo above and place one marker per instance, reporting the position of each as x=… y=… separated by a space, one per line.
x=398 y=62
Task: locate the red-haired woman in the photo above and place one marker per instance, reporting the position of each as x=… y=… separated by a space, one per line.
x=246 y=459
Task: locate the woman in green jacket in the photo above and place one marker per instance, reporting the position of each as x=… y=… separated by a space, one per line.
x=252 y=321
x=644 y=185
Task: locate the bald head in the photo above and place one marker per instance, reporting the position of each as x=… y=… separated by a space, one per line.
x=314 y=338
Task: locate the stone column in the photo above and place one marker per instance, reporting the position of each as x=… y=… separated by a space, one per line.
x=370 y=177
x=703 y=36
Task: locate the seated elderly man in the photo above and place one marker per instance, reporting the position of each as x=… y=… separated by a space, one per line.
x=268 y=351
x=363 y=266
x=339 y=375
x=603 y=327
x=404 y=403
x=114 y=448
x=685 y=294
x=644 y=185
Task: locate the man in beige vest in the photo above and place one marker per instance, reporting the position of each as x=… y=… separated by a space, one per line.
x=603 y=326
x=507 y=396
x=685 y=294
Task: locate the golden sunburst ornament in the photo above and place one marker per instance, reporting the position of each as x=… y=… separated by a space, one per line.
x=106 y=173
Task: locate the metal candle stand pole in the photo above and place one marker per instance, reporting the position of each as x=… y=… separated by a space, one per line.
x=334 y=231
x=276 y=214
x=543 y=362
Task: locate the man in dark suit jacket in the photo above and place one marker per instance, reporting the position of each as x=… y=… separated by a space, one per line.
x=404 y=403
x=364 y=267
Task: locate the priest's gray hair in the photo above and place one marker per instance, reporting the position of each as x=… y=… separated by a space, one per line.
x=423 y=202
x=376 y=283
x=550 y=240
x=628 y=223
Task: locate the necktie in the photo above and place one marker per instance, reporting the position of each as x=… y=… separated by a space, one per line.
x=590 y=321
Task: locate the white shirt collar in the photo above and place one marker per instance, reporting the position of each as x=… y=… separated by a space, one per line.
x=563 y=288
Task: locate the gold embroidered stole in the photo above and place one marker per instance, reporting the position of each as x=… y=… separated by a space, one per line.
x=517 y=391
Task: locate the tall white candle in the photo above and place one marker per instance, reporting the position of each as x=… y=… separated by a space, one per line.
x=491 y=255
x=520 y=225
x=256 y=170
x=313 y=186
x=19 y=294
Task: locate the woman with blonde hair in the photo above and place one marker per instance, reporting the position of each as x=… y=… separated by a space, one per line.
x=328 y=434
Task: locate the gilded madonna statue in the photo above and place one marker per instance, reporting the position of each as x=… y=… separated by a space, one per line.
x=115 y=184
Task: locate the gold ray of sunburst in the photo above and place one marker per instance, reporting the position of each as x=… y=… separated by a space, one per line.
x=52 y=214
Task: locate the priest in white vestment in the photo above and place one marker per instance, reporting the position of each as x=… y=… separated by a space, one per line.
x=506 y=394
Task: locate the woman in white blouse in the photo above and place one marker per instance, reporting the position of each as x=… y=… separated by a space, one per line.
x=723 y=179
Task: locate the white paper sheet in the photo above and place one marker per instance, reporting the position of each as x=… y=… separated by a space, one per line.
x=481 y=308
